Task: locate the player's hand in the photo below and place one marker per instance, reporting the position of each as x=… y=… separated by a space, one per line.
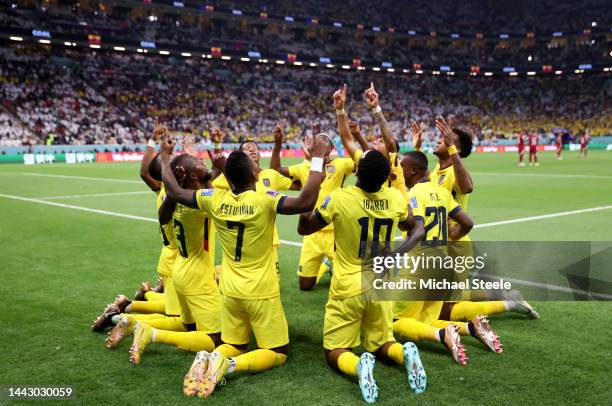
x=417 y=134
x=180 y=174
x=188 y=142
x=315 y=128
x=307 y=145
x=167 y=146
x=278 y=132
x=216 y=136
x=320 y=146
x=159 y=130
x=446 y=131
x=340 y=97
x=217 y=160
x=354 y=127
x=371 y=96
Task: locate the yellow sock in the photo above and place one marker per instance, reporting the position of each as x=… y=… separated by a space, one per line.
x=167 y=323
x=463 y=327
x=347 y=363
x=229 y=351
x=258 y=360
x=152 y=296
x=396 y=353
x=465 y=311
x=185 y=340
x=415 y=330
x=152 y=316
x=141 y=306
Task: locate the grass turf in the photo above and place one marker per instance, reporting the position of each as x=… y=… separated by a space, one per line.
x=60 y=266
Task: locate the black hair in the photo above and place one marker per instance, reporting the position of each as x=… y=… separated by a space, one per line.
x=465 y=142
x=238 y=168
x=247 y=141
x=155 y=168
x=373 y=170
x=419 y=159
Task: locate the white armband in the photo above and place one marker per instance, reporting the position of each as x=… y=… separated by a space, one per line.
x=151 y=143
x=316 y=164
x=376 y=109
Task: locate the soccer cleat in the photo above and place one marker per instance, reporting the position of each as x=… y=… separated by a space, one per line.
x=417 y=379
x=143 y=336
x=104 y=320
x=140 y=292
x=365 y=373
x=122 y=329
x=487 y=336
x=515 y=302
x=214 y=374
x=522 y=164
x=159 y=288
x=121 y=301
x=537 y=164
x=195 y=377
x=452 y=341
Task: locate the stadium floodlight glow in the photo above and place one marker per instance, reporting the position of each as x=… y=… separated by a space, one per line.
x=473 y=73
x=178 y=4
x=405 y=70
x=508 y=69
x=504 y=36
x=346 y=67
x=513 y=73
x=390 y=70
x=312 y=64
x=361 y=68
x=289 y=19
x=531 y=73
x=455 y=35
x=278 y=61
x=298 y=63
x=451 y=73
x=376 y=69
x=16 y=38
x=237 y=12
x=411 y=32
x=585 y=66
x=187 y=54
x=488 y=73
x=68 y=44
x=418 y=71
x=558 y=72
x=41 y=33
x=386 y=65
x=164 y=52
x=530 y=58
x=119 y=48
x=577 y=71
x=324 y=60
x=593 y=23
x=44 y=41
x=329 y=65
x=263 y=60
x=445 y=68
x=557 y=34
x=376 y=29
x=244 y=59
x=254 y=54
x=140 y=50
x=226 y=57
x=147 y=44
x=207 y=56
x=338 y=24
x=95 y=46
x=435 y=72
x=606 y=69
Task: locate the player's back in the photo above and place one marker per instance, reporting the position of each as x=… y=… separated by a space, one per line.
x=359 y=218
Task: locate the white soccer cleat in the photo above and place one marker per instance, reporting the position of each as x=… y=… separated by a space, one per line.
x=365 y=373
x=452 y=340
x=515 y=303
x=417 y=379
x=195 y=377
x=486 y=335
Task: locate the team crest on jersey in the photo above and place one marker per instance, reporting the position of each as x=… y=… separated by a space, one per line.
x=272 y=193
x=413 y=203
x=331 y=169
x=325 y=202
x=441 y=179
x=207 y=192
x=266 y=182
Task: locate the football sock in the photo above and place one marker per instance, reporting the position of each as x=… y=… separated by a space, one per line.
x=347 y=363
x=167 y=323
x=185 y=340
x=229 y=351
x=152 y=296
x=396 y=353
x=463 y=327
x=465 y=311
x=415 y=330
x=258 y=361
x=138 y=306
x=152 y=316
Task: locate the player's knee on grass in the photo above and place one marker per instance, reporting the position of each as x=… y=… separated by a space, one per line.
x=216 y=338
x=331 y=356
x=307 y=283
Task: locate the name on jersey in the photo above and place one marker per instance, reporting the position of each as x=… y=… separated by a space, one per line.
x=230 y=210
x=376 y=205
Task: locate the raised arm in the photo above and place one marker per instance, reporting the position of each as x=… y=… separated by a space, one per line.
x=149 y=153
x=357 y=136
x=275 y=161
x=385 y=130
x=464 y=224
x=343 y=127
x=462 y=176
x=173 y=190
x=417 y=135
x=166 y=210
x=307 y=198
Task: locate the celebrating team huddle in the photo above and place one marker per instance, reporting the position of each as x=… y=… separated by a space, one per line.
x=213 y=311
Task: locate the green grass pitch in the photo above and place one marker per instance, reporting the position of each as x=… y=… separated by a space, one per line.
x=61 y=265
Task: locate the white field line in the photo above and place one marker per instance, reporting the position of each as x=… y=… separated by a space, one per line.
x=140 y=192
x=552 y=287
x=542 y=175
x=114 y=180
x=297 y=244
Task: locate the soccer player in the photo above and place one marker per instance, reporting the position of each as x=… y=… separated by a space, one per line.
x=315 y=248
x=244 y=217
x=559 y=145
x=533 y=149
x=362 y=214
x=521 y=148
x=193 y=275
x=432 y=205
x=584 y=144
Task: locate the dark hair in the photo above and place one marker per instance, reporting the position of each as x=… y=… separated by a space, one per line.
x=155 y=168
x=465 y=142
x=179 y=160
x=238 y=168
x=248 y=140
x=372 y=171
x=418 y=158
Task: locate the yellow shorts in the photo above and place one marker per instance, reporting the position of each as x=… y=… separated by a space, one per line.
x=344 y=319
x=203 y=310
x=165 y=265
x=315 y=247
x=423 y=311
x=170 y=297
x=265 y=317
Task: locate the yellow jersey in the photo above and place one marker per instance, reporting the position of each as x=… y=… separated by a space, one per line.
x=396 y=177
x=169 y=247
x=194 y=270
x=433 y=205
x=336 y=172
x=245 y=224
x=445 y=178
x=359 y=218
